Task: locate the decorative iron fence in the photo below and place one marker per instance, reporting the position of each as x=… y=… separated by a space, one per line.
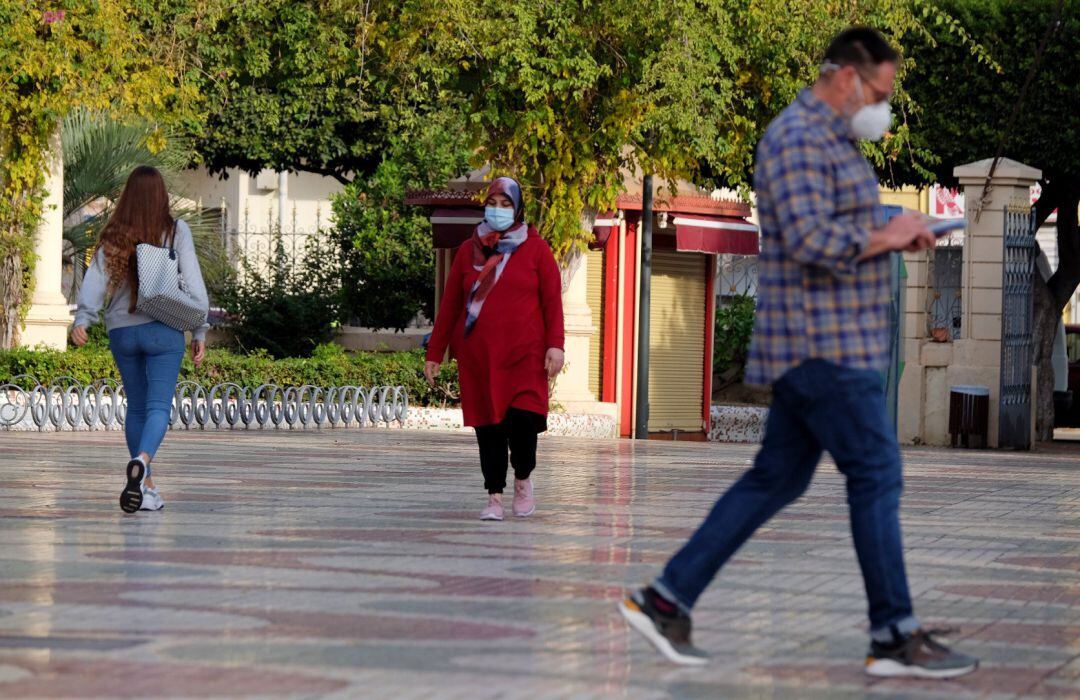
x=66 y=404
x=1017 y=326
x=254 y=248
x=259 y=252
x=737 y=275
x=944 y=302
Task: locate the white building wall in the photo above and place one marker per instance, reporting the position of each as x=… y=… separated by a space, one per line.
x=252 y=203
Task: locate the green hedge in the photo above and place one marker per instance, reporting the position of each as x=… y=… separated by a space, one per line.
x=329 y=366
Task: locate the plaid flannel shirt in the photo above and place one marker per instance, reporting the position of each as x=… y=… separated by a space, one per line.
x=817 y=200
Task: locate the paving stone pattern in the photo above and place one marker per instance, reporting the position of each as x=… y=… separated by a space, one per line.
x=349 y=564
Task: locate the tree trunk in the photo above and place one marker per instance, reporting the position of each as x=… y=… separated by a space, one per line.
x=1065 y=280
x=1045 y=328
x=11 y=291
x=1053 y=295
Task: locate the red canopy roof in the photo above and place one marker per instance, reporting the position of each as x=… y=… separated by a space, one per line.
x=716 y=234
x=702 y=224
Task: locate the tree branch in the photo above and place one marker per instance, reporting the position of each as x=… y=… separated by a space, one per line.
x=1064 y=281
x=1048 y=201
x=326 y=172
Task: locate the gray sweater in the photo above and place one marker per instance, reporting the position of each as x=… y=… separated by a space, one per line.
x=95 y=283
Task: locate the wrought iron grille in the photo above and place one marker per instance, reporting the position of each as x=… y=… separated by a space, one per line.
x=1017 y=346
x=256 y=248
x=737 y=275
x=944 y=308
x=66 y=404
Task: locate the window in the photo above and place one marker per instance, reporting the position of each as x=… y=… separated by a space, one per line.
x=944 y=310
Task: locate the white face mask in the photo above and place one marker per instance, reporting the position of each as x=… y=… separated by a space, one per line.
x=870 y=122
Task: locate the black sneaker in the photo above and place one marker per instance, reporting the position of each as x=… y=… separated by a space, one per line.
x=669 y=632
x=920 y=656
x=131 y=497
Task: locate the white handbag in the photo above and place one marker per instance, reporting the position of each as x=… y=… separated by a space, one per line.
x=163 y=296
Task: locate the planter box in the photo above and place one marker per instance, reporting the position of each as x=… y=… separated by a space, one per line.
x=734 y=423
x=598 y=427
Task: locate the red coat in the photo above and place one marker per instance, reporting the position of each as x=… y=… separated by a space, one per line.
x=501 y=363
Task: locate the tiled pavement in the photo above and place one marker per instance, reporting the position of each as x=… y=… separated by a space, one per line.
x=348 y=564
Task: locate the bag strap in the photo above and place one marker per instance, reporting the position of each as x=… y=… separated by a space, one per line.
x=171 y=239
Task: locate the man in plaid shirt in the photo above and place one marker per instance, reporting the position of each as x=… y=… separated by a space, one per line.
x=821 y=342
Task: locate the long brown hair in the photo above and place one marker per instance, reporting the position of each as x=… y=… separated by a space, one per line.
x=141 y=216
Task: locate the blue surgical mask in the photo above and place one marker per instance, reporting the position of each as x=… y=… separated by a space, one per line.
x=499 y=218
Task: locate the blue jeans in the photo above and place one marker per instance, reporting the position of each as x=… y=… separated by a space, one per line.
x=148 y=356
x=816 y=407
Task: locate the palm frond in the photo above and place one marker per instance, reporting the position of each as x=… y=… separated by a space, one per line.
x=99 y=155
x=209 y=245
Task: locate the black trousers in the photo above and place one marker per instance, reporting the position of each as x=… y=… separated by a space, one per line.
x=516 y=435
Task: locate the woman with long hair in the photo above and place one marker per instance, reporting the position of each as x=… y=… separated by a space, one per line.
x=148 y=353
x=502 y=318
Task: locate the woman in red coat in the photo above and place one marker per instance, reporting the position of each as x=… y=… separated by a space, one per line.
x=502 y=318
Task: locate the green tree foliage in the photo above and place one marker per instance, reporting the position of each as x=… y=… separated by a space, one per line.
x=387 y=262
x=389 y=274
x=99 y=155
x=343 y=89
x=312 y=85
x=569 y=96
x=967 y=105
x=54 y=57
x=966 y=109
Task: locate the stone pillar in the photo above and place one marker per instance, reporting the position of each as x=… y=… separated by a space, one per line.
x=572 y=387
x=975 y=358
x=913 y=334
x=977 y=355
x=48 y=319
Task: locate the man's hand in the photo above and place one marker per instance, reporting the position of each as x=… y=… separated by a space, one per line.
x=909 y=232
x=906 y=232
x=78 y=336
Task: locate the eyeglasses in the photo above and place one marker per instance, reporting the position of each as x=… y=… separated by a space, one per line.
x=877 y=93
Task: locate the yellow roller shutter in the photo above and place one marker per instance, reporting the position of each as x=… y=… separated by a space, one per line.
x=595 y=299
x=677 y=342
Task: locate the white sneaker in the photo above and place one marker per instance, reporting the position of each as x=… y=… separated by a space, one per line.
x=132 y=495
x=151 y=500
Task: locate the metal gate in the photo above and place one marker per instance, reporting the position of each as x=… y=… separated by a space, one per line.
x=1017 y=346
x=898 y=275
x=898 y=286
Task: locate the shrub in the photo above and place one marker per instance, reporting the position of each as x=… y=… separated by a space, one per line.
x=292 y=307
x=97 y=336
x=734 y=328
x=329 y=365
x=388 y=263
x=46 y=365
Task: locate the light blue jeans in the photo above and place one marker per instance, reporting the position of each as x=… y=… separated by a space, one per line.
x=148 y=357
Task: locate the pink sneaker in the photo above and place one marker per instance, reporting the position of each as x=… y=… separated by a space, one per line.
x=524 y=503
x=494 y=510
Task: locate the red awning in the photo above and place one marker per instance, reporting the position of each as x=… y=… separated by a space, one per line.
x=716 y=234
x=452 y=227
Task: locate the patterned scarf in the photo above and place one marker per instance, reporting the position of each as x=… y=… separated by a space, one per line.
x=491 y=251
